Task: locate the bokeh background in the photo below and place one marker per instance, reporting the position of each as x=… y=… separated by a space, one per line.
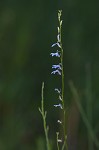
x=28 y=28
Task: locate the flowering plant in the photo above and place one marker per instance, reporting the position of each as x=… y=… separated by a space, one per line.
x=57 y=69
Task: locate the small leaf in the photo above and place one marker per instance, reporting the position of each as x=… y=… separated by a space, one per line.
x=61 y=22
x=58 y=30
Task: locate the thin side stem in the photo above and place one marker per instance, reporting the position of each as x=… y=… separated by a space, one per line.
x=44 y=113
x=57 y=134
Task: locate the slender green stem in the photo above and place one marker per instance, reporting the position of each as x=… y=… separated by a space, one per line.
x=44 y=113
x=57 y=134
x=62 y=80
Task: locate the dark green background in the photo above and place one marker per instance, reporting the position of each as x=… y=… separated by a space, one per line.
x=28 y=28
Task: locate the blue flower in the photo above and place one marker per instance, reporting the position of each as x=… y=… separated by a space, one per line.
x=59 y=105
x=56 y=72
x=55 y=54
x=56 y=67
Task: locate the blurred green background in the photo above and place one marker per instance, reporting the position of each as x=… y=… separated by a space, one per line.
x=27 y=30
